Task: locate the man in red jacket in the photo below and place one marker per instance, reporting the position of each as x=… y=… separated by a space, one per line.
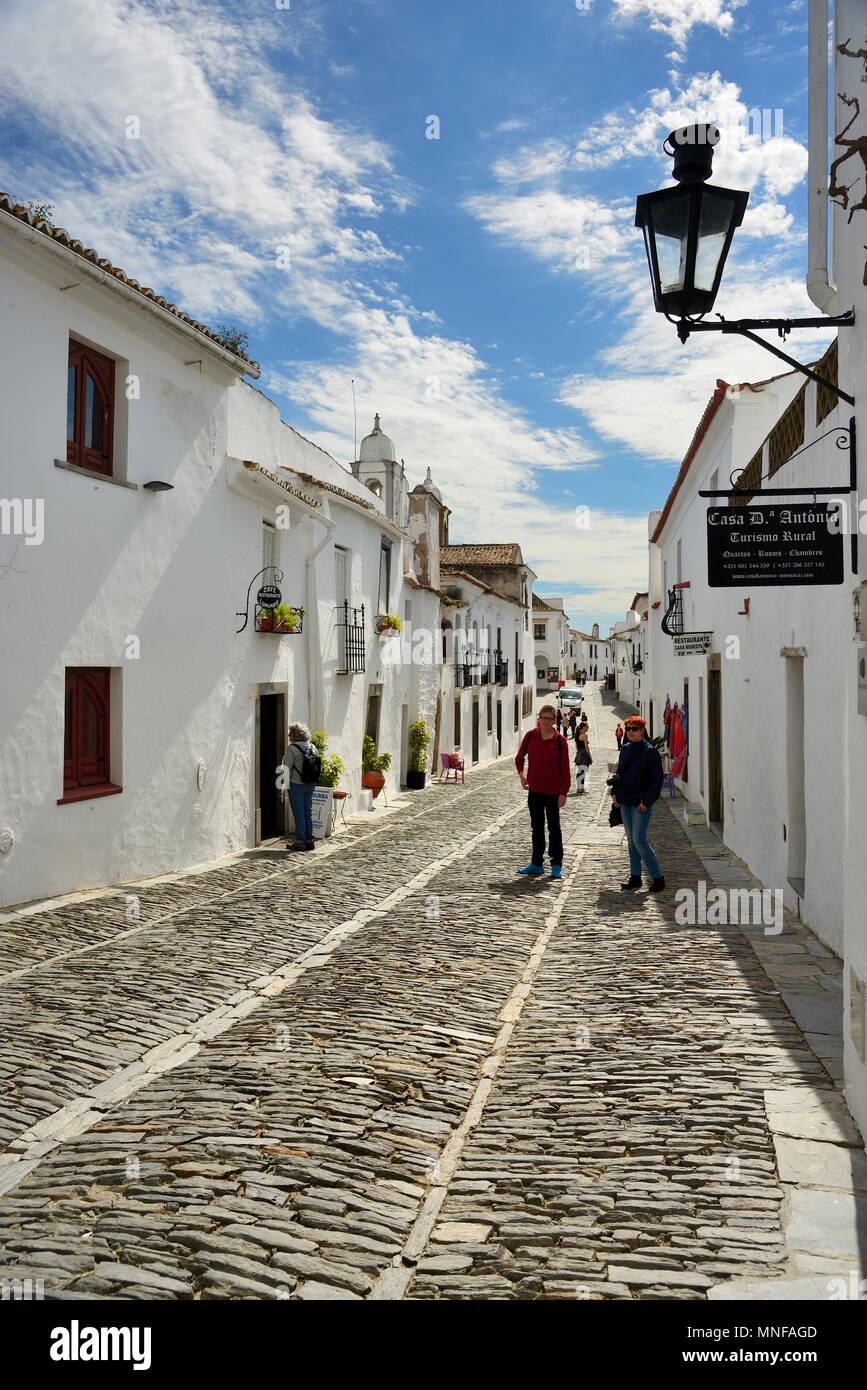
x=547 y=785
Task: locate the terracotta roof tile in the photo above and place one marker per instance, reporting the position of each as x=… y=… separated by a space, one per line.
x=60 y=235
x=508 y=553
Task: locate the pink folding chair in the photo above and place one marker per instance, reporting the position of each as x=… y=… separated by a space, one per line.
x=451 y=763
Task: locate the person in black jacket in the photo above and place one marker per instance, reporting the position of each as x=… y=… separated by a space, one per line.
x=639 y=772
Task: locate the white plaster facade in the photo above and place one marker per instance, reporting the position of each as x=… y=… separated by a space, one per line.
x=849 y=270
x=487 y=702
x=551 y=641
x=148 y=586
x=589 y=652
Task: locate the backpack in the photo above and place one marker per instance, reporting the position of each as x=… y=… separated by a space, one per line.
x=311 y=765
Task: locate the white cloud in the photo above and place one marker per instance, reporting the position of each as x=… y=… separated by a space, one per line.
x=650 y=391
x=572 y=233
x=529 y=163
x=677 y=18
x=229 y=165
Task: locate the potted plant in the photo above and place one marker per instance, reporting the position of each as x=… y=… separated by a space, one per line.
x=387 y=623
x=332 y=766
x=373 y=766
x=329 y=771
x=287 y=619
x=266 y=619
x=419 y=740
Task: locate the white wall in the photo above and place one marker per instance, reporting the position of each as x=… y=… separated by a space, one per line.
x=849 y=229
x=171 y=571
x=755 y=732
x=116 y=564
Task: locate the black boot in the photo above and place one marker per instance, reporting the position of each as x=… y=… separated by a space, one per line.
x=657 y=884
x=634 y=882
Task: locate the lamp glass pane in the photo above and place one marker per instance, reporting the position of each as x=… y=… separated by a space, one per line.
x=715 y=223
x=670 y=220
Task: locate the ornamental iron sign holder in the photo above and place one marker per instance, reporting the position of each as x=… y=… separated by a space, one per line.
x=269 y=596
x=845 y=439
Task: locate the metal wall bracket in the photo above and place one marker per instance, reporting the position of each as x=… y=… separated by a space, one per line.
x=745 y=328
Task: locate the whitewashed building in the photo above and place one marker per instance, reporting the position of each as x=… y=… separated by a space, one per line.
x=148 y=493
x=551 y=643
x=589 y=652
x=775 y=676
x=487 y=649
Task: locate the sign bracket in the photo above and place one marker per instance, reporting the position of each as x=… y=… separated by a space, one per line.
x=845 y=440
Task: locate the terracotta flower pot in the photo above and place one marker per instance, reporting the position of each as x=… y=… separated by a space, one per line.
x=266 y=624
x=374 y=781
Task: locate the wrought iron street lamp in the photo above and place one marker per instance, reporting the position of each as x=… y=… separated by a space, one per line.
x=687 y=234
x=688 y=229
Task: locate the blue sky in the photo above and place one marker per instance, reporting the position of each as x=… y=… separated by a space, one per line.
x=486 y=289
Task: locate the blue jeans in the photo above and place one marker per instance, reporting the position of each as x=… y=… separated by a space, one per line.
x=635 y=824
x=301 y=801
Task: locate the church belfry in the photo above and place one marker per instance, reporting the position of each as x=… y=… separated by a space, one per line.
x=377 y=467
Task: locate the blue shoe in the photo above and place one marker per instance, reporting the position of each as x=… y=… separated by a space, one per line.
x=556 y=870
x=532 y=870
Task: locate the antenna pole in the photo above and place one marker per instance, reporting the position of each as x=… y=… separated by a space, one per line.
x=354 y=421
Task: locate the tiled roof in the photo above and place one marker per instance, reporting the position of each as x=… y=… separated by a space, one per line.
x=539 y=602
x=255 y=467
x=87 y=253
x=331 y=487
x=506 y=554
x=451 y=572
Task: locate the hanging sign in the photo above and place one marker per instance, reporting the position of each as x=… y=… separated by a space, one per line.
x=269 y=596
x=759 y=544
x=692 y=643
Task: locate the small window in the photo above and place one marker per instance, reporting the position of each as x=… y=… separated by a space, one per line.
x=539 y=632
x=89 y=409
x=384 y=578
x=517 y=720
x=87 y=733
x=269 y=548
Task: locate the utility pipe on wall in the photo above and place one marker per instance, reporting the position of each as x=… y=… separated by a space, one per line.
x=315 y=703
x=819 y=288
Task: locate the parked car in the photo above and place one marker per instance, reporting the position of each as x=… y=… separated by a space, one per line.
x=570 y=698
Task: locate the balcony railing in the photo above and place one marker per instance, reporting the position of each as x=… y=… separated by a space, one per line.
x=350 y=639
x=463 y=674
x=501 y=673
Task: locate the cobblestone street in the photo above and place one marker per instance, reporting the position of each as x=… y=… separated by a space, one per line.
x=392 y=1069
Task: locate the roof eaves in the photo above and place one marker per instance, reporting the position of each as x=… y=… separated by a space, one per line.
x=60 y=237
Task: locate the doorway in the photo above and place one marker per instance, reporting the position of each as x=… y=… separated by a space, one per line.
x=796 y=821
x=714 y=746
x=499 y=727
x=271 y=745
x=404 y=743
x=475 y=731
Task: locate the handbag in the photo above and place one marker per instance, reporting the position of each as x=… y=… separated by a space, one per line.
x=614 y=816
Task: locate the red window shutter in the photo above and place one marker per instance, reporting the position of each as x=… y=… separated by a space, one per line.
x=86 y=733
x=90 y=409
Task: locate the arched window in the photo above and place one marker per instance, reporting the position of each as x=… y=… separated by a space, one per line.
x=89 y=409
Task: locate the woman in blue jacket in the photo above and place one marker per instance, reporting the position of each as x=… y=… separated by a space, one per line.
x=639 y=773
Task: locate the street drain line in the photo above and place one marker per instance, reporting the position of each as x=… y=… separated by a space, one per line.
x=26 y=1152
x=394 y=1281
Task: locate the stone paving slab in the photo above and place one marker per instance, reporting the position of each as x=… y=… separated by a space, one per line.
x=441 y=1082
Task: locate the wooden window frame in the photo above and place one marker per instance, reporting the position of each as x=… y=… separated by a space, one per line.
x=87 y=360
x=84 y=778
